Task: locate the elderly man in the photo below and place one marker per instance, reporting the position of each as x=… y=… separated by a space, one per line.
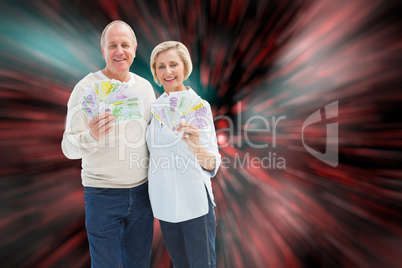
x=118 y=215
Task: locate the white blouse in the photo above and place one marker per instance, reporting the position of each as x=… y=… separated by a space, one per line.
x=178 y=184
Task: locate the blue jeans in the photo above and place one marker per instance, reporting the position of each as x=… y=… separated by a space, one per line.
x=119 y=225
x=191 y=243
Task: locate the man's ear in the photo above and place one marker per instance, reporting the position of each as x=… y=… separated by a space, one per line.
x=103 y=52
x=135 y=51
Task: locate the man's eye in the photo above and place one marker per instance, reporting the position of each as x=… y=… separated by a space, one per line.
x=174 y=64
x=112 y=46
x=161 y=67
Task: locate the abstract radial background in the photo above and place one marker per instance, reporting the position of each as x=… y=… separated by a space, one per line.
x=307 y=103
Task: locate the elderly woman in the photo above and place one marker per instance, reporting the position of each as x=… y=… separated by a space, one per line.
x=181 y=166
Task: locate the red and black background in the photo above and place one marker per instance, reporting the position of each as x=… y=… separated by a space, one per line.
x=251 y=58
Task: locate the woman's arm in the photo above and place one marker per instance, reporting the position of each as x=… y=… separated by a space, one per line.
x=191 y=136
x=205 y=158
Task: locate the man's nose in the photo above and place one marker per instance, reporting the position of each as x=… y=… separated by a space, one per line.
x=119 y=49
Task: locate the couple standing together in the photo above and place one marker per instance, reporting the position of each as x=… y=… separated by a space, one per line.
x=121 y=199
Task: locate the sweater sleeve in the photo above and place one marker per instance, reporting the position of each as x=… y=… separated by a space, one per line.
x=77 y=141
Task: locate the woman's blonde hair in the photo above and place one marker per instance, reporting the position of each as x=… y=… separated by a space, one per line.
x=181 y=50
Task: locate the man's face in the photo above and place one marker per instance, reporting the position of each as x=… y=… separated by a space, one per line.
x=119 y=50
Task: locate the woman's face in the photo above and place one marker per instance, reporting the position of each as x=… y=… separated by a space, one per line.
x=170 y=70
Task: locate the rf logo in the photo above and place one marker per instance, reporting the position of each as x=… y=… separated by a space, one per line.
x=330 y=156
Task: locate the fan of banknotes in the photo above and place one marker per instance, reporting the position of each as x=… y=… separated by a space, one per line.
x=112 y=96
x=181 y=107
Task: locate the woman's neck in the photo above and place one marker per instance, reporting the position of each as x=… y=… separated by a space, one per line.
x=182 y=88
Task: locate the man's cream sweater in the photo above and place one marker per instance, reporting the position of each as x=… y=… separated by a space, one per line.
x=121 y=159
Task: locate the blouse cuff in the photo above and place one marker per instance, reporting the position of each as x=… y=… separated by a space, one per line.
x=213 y=172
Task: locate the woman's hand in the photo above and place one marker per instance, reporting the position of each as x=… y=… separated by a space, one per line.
x=101 y=125
x=191 y=136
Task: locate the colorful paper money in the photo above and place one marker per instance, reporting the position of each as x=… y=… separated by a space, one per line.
x=181 y=107
x=112 y=96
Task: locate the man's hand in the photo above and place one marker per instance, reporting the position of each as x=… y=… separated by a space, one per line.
x=101 y=125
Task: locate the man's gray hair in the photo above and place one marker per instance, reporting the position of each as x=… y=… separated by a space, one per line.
x=103 y=37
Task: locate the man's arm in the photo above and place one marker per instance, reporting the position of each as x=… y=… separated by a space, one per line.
x=77 y=141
